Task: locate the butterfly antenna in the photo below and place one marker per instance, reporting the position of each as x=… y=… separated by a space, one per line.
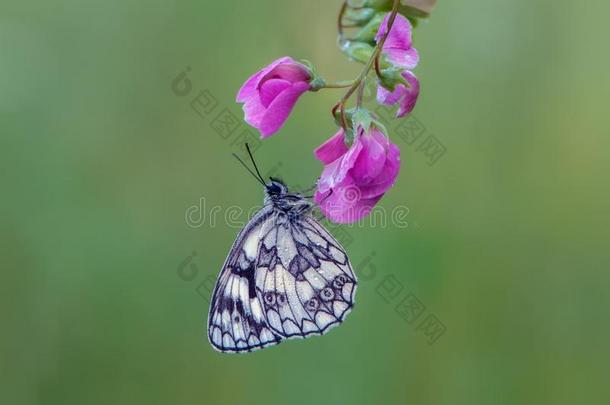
x=248 y=169
x=254 y=163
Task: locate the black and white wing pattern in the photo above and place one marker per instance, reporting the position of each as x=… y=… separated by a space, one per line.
x=304 y=278
x=284 y=278
x=236 y=321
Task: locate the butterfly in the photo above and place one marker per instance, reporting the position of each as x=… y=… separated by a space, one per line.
x=285 y=277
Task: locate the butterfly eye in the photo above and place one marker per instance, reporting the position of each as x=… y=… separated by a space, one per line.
x=339 y=281
x=327 y=294
x=274 y=189
x=270 y=298
x=312 y=304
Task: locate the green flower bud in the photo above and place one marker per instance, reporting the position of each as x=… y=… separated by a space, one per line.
x=357 y=3
x=412 y=9
x=357 y=51
x=379 y=4
x=368 y=32
x=359 y=16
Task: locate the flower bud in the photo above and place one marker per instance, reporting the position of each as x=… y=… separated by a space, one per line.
x=357 y=51
x=359 y=16
x=420 y=8
x=270 y=94
x=369 y=31
x=379 y=4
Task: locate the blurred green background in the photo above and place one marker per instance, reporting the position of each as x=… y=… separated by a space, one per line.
x=508 y=236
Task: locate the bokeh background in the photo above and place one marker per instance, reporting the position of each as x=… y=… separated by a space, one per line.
x=507 y=237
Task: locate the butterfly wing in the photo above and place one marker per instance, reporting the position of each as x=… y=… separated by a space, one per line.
x=284 y=278
x=236 y=321
x=304 y=279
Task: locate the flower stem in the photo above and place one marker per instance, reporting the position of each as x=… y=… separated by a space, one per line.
x=360 y=96
x=372 y=62
x=340 y=19
x=339 y=85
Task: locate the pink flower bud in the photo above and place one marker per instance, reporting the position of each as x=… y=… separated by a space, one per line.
x=399 y=51
x=270 y=95
x=405 y=97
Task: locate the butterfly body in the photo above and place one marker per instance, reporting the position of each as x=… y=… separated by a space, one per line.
x=285 y=277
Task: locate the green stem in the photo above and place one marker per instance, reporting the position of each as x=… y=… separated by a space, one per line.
x=360 y=96
x=372 y=62
x=339 y=85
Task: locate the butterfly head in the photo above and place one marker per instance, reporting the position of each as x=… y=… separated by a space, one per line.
x=277 y=193
x=276 y=187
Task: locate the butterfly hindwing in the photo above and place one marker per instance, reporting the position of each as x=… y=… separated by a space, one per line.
x=305 y=280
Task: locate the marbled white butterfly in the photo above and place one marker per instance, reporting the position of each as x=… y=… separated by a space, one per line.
x=285 y=277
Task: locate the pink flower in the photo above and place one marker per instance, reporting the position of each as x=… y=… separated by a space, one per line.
x=354 y=179
x=405 y=97
x=398 y=46
x=399 y=51
x=270 y=95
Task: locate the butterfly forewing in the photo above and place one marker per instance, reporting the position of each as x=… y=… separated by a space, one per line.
x=236 y=321
x=285 y=277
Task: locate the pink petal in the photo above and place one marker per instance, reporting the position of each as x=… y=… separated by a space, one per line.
x=410 y=95
x=387 y=97
x=254 y=111
x=280 y=108
x=405 y=58
x=400 y=35
x=349 y=159
x=345 y=204
x=250 y=87
x=328 y=176
x=336 y=172
x=358 y=211
x=398 y=46
x=370 y=161
x=290 y=70
x=270 y=89
x=406 y=96
x=332 y=149
x=380 y=137
x=386 y=178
